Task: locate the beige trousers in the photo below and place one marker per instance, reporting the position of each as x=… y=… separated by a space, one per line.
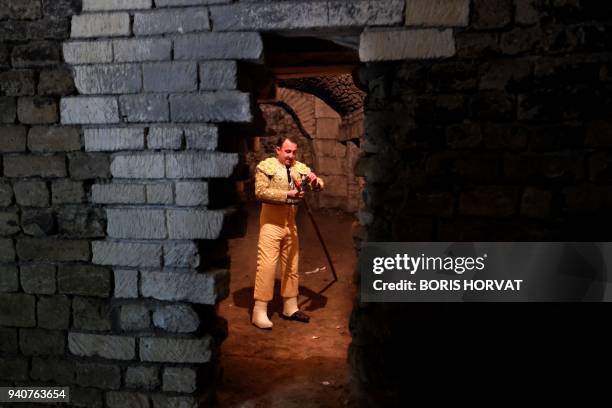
x=278 y=241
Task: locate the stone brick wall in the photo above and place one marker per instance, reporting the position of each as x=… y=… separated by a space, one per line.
x=485 y=119
x=507 y=140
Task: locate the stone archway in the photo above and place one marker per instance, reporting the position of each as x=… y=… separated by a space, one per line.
x=155 y=81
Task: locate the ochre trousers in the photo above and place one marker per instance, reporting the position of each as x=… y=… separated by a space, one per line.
x=278 y=241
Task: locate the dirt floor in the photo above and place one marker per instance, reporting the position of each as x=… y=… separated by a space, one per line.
x=294 y=364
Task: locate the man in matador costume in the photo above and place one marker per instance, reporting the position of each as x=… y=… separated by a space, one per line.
x=278 y=185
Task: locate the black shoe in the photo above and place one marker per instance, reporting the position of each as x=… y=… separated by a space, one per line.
x=297 y=316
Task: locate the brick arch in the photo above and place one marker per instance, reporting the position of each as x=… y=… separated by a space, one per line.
x=302 y=106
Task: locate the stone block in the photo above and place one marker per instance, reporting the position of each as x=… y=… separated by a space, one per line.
x=201 y=137
x=526 y=12
x=18 y=83
x=406 y=45
x=123 y=399
x=85 y=280
x=491 y=13
x=33 y=166
x=173 y=3
x=105 y=376
x=331 y=166
x=536 y=202
x=88 y=52
x=8 y=341
x=136 y=223
x=168 y=21
x=37 y=110
x=498 y=75
x=89 y=110
x=14 y=369
x=445 y=13
x=165 y=137
x=8 y=109
x=111 y=5
x=146 y=377
x=200 y=165
x=12 y=139
x=85 y=166
x=126 y=283
x=91 y=314
x=175 y=350
x=218 y=75
x=100 y=25
x=67 y=192
x=9 y=278
x=38 y=222
x=36 y=54
x=145 y=49
x=100 y=345
x=143 y=166
x=38 y=278
x=38 y=342
x=31 y=193
x=56 y=82
x=161 y=400
x=205 y=288
x=53 y=369
x=43 y=139
x=160 y=193
x=53 y=312
x=223 y=46
x=176 y=318
x=488 y=202
x=126 y=254
x=170 y=77
x=112 y=139
x=9 y=222
x=134 y=317
x=86 y=397
x=181 y=254
x=179 y=379
x=7 y=250
x=144 y=108
x=190 y=193
x=302 y=15
x=22 y=10
x=118 y=193
x=17 y=309
x=108 y=79
x=221 y=106
x=6 y=195
x=82 y=222
x=194 y=224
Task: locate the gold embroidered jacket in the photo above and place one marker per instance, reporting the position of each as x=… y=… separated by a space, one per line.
x=271 y=184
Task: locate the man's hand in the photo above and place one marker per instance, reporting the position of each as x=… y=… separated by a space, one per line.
x=312 y=178
x=295 y=194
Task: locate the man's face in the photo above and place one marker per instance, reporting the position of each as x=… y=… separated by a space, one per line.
x=286 y=153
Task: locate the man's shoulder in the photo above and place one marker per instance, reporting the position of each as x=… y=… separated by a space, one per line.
x=269 y=165
x=301 y=167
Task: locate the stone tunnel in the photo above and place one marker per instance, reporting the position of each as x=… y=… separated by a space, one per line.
x=129 y=130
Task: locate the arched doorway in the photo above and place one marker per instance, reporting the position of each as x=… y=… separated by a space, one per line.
x=311 y=98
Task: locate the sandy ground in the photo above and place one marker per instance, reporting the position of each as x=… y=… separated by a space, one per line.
x=294 y=364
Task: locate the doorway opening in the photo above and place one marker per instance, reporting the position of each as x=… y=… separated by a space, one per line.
x=308 y=90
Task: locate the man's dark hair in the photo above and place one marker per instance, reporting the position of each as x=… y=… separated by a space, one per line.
x=281 y=140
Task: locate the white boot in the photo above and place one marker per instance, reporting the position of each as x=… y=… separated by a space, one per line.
x=290 y=306
x=260 y=315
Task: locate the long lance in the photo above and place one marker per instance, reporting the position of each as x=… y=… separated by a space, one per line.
x=327 y=255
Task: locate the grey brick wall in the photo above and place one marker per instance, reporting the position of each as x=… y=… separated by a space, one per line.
x=110 y=120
